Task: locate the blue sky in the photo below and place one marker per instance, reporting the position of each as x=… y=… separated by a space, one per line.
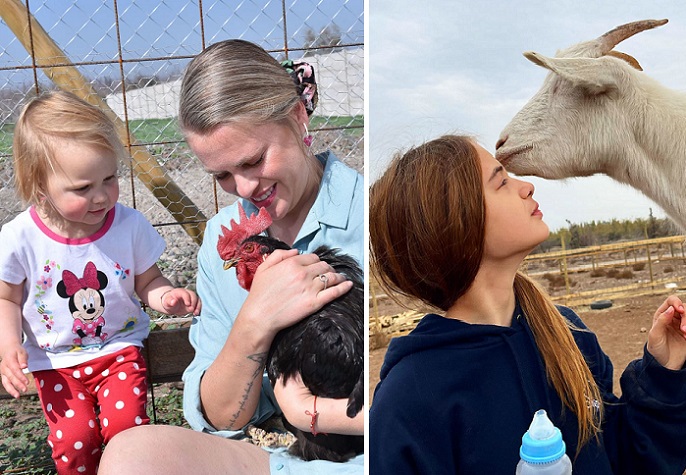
x=85 y=30
x=457 y=67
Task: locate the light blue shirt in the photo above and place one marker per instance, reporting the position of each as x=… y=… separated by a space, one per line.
x=336 y=219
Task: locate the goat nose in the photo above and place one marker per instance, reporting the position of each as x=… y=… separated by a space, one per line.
x=501 y=142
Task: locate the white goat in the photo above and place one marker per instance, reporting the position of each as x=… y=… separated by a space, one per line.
x=597 y=113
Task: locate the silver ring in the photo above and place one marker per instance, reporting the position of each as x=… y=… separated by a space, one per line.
x=324 y=278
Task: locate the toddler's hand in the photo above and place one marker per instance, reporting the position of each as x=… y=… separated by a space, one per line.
x=14 y=361
x=181 y=301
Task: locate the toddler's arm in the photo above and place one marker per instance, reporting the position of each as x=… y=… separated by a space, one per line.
x=156 y=291
x=13 y=357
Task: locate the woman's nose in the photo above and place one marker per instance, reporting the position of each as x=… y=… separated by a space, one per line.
x=527 y=189
x=245 y=186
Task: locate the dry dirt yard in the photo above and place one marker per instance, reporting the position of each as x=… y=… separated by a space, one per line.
x=621 y=330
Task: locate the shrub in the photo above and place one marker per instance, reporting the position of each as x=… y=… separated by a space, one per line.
x=667 y=270
x=557 y=281
x=598 y=272
x=639 y=266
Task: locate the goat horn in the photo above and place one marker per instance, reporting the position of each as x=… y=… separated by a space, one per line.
x=613 y=37
x=623 y=56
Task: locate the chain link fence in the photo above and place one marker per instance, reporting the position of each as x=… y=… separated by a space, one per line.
x=133 y=54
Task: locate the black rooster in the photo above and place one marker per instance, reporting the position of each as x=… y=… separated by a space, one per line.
x=326 y=348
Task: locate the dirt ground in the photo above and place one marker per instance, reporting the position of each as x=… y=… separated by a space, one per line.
x=621 y=330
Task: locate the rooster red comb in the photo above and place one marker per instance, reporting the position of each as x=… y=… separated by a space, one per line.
x=230 y=239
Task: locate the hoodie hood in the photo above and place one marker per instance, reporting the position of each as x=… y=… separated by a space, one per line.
x=435 y=332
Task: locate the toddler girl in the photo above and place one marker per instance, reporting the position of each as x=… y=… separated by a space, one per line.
x=69 y=267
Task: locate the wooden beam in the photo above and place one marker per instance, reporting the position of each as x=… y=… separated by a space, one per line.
x=167 y=353
x=57 y=66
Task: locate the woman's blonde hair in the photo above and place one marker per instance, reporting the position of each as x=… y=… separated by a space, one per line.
x=427 y=217
x=43 y=126
x=234 y=81
x=238 y=82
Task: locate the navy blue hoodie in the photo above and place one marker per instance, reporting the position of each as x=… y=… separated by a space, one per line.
x=456 y=398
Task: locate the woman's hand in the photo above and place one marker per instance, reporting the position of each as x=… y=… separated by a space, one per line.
x=298 y=404
x=14 y=362
x=667 y=337
x=287 y=287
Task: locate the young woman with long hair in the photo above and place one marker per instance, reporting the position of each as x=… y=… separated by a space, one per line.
x=450 y=227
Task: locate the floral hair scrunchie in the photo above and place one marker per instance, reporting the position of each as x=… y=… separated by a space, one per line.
x=303 y=77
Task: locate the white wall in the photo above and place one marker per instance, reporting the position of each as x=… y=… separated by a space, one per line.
x=340 y=78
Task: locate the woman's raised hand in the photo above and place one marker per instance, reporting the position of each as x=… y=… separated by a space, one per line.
x=667 y=337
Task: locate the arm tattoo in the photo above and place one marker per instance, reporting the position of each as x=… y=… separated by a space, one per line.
x=260 y=359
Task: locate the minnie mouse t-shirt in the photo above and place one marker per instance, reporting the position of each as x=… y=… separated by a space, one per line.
x=79 y=293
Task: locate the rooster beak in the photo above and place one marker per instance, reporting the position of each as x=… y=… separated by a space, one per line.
x=228 y=264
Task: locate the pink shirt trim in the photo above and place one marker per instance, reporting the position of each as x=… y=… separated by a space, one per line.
x=64 y=240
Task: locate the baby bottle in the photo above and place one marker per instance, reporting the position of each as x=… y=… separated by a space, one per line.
x=543 y=450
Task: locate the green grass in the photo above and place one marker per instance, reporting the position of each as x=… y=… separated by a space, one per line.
x=167 y=130
x=6 y=134
x=338 y=121
x=155 y=130
x=24 y=431
x=23 y=446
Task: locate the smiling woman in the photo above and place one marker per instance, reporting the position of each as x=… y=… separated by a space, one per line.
x=264 y=165
x=246 y=117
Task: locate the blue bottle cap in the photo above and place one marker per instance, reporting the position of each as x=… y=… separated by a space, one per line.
x=542 y=443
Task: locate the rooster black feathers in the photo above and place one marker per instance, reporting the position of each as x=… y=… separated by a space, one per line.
x=326 y=348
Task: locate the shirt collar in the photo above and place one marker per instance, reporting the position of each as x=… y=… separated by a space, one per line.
x=335 y=195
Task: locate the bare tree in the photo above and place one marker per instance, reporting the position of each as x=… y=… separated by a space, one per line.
x=328 y=37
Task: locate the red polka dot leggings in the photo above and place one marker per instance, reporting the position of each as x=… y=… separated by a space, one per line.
x=88 y=404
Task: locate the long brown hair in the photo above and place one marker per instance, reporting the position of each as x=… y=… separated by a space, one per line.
x=427 y=228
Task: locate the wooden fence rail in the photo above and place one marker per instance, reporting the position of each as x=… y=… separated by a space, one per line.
x=167 y=353
x=652 y=258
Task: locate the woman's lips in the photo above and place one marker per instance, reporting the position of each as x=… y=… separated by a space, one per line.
x=265 y=199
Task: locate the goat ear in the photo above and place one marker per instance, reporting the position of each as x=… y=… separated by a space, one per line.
x=588 y=73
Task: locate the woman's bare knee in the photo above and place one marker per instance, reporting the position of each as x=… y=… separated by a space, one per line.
x=171 y=450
